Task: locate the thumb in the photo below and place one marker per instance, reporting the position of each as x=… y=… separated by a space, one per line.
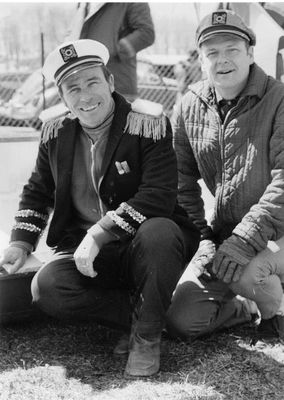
x=11 y=268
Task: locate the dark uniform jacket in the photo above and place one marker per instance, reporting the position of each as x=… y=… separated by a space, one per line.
x=148 y=190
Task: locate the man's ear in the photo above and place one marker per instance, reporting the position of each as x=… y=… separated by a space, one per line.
x=251 y=54
x=111 y=83
x=62 y=97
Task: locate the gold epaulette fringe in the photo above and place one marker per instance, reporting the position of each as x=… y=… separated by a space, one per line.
x=146 y=126
x=50 y=129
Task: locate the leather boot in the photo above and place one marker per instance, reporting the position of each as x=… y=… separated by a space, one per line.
x=144 y=356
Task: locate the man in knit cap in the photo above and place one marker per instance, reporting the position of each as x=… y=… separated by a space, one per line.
x=228 y=130
x=108 y=172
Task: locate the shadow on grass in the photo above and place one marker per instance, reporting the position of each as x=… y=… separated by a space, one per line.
x=221 y=366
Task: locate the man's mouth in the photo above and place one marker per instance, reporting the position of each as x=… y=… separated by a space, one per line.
x=89 y=108
x=225 y=72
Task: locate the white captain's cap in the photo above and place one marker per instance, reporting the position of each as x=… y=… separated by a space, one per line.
x=70 y=57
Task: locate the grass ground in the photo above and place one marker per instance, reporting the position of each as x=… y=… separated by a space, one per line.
x=49 y=360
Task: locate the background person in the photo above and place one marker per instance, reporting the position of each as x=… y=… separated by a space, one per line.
x=109 y=173
x=125 y=29
x=228 y=130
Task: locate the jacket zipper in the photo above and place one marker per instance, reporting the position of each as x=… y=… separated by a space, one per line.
x=217 y=205
x=96 y=187
x=222 y=145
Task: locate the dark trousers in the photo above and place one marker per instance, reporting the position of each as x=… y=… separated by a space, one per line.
x=141 y=272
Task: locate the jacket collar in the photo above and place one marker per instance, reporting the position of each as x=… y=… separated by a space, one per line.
x=257 y=82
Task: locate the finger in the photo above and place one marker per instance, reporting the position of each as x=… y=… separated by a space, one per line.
x=9 y=268
x=238 y=273
x=4 y=260
x=197 y=262
x=90 y=269
x=217 y=262
x=222 y=268
x=86 y=269
x=230 y=272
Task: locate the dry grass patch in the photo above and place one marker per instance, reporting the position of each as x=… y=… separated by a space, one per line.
x=50 y=360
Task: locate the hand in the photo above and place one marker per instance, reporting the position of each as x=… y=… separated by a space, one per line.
x=125 y=49
x=226 y=269
x=203 y=257
x=85 y=255
x=232 y=256
x=13 y=258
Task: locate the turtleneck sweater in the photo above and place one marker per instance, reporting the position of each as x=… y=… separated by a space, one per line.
x=86 y=176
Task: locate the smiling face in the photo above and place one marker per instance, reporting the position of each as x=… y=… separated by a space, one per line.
x=88 y=95
x=226 y=60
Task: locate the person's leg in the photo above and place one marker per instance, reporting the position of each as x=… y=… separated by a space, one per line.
x=203 y=305
x=262 y=280
x=62 y=291
x=156 y=258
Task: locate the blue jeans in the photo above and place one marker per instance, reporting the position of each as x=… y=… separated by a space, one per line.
x=141 y=272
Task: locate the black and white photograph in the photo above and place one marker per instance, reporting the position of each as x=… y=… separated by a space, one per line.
x=141 y=200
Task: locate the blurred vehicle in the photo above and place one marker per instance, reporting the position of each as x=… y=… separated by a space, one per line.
x=28 y=101
x=9 y=82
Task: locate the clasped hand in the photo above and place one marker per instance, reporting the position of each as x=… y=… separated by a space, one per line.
x=203 y=257
x=231 y=257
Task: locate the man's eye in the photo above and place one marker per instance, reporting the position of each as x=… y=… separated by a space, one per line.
x=72 y=90
x=233 y=50
x=212 y=54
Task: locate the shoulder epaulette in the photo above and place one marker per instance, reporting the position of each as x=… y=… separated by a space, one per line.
x=146 y=119
x=50 y=129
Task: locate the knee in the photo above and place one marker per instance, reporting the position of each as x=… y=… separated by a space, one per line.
x=257 y=273
x=43 y=288
x=184 y=320
x=157 y=232
x=178 y=325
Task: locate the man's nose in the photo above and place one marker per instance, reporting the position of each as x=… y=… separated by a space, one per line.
x=222 y=57
x=86 y=95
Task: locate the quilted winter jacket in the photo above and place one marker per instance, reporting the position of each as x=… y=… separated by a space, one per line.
x=241 y=160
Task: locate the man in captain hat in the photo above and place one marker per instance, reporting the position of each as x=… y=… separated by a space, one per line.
x=108 y=172
x=228 y=130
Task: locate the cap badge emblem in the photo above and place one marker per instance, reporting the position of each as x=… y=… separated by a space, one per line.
x=68 y=53
x=219 y=18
